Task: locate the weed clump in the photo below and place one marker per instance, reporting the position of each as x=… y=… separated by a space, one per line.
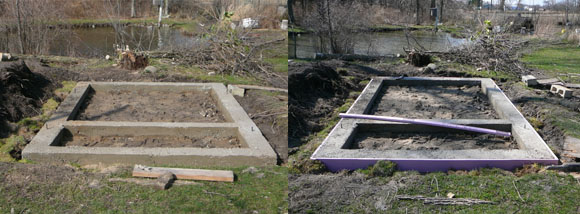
x=380 y=169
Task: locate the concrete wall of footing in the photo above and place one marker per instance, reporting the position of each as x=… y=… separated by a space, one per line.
x=334 y=152
x=46 y=147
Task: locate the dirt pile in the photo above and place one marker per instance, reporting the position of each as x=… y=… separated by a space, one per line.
x=21 y=93
x=315 y=91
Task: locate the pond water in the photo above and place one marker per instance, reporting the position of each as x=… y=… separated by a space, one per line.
x=100 y=41
x=376 y=44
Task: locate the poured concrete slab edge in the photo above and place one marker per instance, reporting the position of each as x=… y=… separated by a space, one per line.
x=532 y=149
x=259 y=152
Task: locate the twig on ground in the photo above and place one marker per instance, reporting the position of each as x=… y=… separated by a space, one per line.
x=445 y=201
x=514 y=183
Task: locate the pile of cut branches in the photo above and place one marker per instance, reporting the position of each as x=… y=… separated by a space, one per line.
x=230 y=51
x=493 y=53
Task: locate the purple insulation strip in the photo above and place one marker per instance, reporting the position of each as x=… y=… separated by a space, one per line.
x=433 y=165
x=427 y=122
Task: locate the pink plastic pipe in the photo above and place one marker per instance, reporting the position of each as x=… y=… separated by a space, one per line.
x=426 y=122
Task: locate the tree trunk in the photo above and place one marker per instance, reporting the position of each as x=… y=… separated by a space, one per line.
x=433 y=5
x=166 y=7
x=502 y=5
x=333 y=47
x=567 y=20
x=19 y=27
x=133 y=15
x=441 y=11
x=291 y=11
x=418 y=12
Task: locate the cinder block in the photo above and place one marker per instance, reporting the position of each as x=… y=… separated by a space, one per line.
x=236 y=91
x=561 y=90
x=529 y=80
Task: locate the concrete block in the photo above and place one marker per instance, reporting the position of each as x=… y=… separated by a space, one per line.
x=529 y=80
x=236 y=91
x=561 y=90
x=5 y=57
x=572 y=147
x=284 y=25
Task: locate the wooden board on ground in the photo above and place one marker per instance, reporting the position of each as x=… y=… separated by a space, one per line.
x=571 y=85
x=549 y=81
x=189 y=174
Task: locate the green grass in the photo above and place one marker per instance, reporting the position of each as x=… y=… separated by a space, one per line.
x=297 y=30
x=540 y=193
x=7 y=145
x=571 y=126
x=246 y=195
x=280 y=63
x=67 y=87
x=561 y=59
x=468 y=69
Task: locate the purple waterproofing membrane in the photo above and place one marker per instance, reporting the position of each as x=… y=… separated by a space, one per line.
x=433 y=165
x=428 y=123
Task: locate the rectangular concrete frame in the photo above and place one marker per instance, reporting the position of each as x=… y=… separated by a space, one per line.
x=256 y=152
x=334 y=154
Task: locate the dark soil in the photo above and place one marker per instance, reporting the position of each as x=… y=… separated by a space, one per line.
x=270 y=114
x=430 y=141
x=22 y=93
x=316 y=89
x=434 y=102
x=150 y=106
x=151 y=141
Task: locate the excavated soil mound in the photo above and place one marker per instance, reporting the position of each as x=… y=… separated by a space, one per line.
x=315 y=91
x=21 y=93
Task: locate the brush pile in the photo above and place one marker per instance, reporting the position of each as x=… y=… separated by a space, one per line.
x=492 y=53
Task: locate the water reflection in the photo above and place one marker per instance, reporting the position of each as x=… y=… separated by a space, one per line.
x=376 y=44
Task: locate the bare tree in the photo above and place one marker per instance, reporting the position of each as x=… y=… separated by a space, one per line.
x=337 y=23
x=291 y=10
x=133 y=15
x=418 y=12
x=33 y=21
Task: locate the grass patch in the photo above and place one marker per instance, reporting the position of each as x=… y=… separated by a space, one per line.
x=8 y=145
x=530 y=193
x=557 y=60
x=67 y=87
x=297 y=30
x=248 y=194
x=280 y=63
x=471 y=70
x=380 y=169
x=570 y=125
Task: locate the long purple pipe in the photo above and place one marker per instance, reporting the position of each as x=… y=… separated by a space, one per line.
x=427 y=122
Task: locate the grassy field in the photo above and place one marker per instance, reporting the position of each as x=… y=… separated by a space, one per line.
x=250 y=193
x=545 y=192
x=556 y=60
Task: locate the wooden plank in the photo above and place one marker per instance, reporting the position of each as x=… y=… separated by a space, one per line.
x=189 y=174
x=571 y=85
x=548 y=81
